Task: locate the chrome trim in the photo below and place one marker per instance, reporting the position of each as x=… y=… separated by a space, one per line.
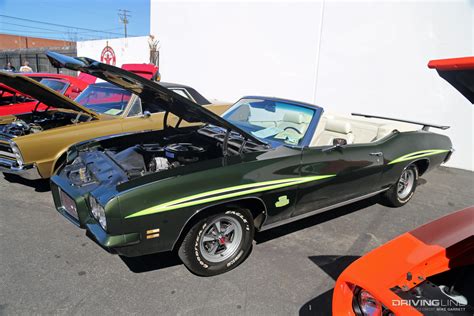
x=29 y=172
x=7 y=154
x=320 y=210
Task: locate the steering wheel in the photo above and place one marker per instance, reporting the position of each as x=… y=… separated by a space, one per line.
x=293 y=128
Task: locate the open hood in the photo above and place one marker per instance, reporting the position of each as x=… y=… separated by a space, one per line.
x=148 y=90
x=43 y=94
x=459 y=72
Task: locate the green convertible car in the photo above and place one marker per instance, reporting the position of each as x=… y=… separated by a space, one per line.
x=204 y=190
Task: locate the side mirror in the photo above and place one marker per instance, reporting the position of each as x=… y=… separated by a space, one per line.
x=75 y=90
x=146 y=114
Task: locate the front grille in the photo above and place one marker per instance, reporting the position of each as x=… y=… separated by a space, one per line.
x=6 y=152
x=68 y=204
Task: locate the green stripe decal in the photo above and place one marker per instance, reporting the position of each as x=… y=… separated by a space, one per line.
x=418 y=154
x=225 y=193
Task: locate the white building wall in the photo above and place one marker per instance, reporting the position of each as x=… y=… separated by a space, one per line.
x=367 y=57
x=127 y=50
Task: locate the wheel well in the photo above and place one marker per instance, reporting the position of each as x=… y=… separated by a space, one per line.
x=254 y=205
x=422 y=165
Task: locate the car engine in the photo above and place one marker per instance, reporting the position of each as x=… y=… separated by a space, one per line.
x=20 y=128
x=31 y=123
x=149 y=158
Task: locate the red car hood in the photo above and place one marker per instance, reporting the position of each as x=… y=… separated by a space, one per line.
x=459 y=72
x=147 y=71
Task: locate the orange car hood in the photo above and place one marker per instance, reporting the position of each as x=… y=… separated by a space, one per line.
x=459 y=72
x=424 y=251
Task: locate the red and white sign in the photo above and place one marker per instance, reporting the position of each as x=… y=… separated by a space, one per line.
x=108 y=56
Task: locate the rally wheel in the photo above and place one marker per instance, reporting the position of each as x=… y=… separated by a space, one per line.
x=402 y=191
x=218 y=243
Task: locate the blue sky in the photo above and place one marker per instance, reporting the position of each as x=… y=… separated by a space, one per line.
x=99 y=15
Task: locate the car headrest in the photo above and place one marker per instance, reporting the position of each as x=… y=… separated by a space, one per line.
x=338 y=126
x=293 y=117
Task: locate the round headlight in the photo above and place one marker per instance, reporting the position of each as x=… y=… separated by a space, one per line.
x=369 y=305
x=98 y=212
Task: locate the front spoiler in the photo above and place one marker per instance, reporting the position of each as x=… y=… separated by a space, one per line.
x=28 y=172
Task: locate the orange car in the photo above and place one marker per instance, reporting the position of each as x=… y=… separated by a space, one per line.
x=428 y=271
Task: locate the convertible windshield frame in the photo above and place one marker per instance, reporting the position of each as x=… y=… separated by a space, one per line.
x=306 y=140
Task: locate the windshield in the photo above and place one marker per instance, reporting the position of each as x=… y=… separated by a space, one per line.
x=57 y=85
x=275 y=122
x=104 y=99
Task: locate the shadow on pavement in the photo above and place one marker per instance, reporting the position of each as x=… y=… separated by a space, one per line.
x=152 y=262
x=41 y=185
x=333 y=266
x=313 y=220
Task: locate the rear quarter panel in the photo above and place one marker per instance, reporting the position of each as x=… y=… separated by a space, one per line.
x=404 y=143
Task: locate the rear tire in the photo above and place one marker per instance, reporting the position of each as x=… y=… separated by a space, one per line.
x=401 y=192
x=218 y=243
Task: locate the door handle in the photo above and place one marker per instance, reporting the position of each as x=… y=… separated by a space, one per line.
x=377 y=154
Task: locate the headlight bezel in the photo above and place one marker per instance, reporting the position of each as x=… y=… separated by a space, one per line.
x=17 y=152
x=98 y=212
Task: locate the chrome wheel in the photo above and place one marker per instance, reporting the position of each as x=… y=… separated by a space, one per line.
x=221 y=239
x=405 y=183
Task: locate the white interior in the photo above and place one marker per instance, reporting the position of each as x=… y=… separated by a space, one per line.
x=355 y=131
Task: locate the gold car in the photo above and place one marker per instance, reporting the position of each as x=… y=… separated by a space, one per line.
x=33 y=145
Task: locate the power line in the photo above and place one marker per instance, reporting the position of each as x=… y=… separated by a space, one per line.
x=61 y=25
x=124 y=15
x=53 y=30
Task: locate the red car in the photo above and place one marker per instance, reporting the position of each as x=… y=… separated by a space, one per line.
x=427 y=271
x=13 y=102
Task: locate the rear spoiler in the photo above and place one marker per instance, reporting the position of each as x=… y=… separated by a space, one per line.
x=426 y=126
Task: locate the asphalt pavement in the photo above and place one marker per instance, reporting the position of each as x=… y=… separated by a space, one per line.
x=49 y=266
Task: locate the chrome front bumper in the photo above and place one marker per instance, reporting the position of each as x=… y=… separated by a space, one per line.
x=29 y=172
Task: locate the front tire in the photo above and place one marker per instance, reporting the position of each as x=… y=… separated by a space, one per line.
x=401 y=192
x=218 y=243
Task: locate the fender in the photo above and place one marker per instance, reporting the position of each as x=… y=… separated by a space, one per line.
x=200 y=211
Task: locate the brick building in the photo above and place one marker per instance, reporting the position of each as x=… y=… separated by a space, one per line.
x=17 y=49
x=8 y=41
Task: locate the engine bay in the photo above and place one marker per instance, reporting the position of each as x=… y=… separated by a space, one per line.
x=36 y=122
x=173 y=152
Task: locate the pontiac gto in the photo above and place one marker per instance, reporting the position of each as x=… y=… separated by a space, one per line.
x=204 y=190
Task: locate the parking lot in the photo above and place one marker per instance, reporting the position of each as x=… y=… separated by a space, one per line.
x=47 y=265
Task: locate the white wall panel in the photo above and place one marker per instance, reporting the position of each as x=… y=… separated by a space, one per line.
x=364 y=56
x=127 y=50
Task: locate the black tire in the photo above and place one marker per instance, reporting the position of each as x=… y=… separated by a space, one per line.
x=393 y=197
x=192 y=250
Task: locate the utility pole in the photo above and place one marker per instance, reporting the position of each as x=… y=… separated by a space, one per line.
x=124 y=15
